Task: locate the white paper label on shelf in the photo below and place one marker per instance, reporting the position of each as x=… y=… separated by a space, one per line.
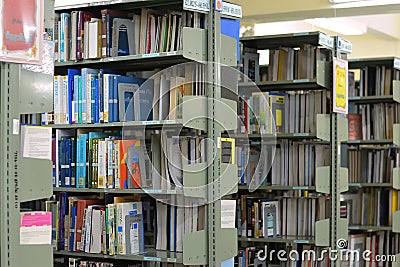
x=232 y=10
x=36 y=142
x=35 y=228
x=326 y=40
x=197 y=5
x=344 y=46
x=15 y=129
x=396 y=63
x=228 y=213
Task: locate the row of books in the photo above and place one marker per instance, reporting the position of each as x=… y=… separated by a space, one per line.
x=372 y=165
x=373 y=122
x=383 y=244
x=97 y=159
x=294 y=163
x=374 y=81
x=102 y=96
x=287 y=63
x=284 y=216
x=290 y=113
x=111 y=33
x=370 y=207
x=77 y=262
x=255 y=256
x=87 y=224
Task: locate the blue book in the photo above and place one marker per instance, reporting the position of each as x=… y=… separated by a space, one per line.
x=72 y=95
x=61 y=162
x=75 y=100
x=67 y=162
x=111 y=99
x=72 y=229
x=117 y=80
x=93 y=98
x=63 y=211
x=81 y=160
x=145 y=97
x=64 y=46
x=85 y=87
x=96 y=101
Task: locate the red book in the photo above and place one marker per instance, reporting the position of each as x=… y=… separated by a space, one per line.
x=355 y=127
x=125 y=173
x=80 y=211
x=82 y=17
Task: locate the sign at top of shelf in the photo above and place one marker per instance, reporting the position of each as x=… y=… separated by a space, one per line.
x=197 y=5
x=326 y=40
x=343 y=45
x=340 y=86
x=227 y=9
x=396 y=63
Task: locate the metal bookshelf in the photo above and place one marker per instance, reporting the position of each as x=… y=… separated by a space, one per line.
x=330 y=128
x=28 y=179
x=283 y=239
x=388 y=62
x=118 y=191
x=149 y=255
x=280 y=188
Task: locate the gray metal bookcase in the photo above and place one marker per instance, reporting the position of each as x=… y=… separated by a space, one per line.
x=28 y=179
x=332 y=128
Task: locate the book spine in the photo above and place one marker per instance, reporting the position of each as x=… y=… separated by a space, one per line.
x=104 y=34
x=79 y=46
x=62 y=40
x=80 y=100
x=67 y=162
x=89 y=98
x=73 y=162
x=64 y=115
x=100 y=83
x=96 y=101
x=106 y=97
x=56 y=100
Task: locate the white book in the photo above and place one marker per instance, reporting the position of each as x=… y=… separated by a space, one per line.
x=106 y=97
x=136 y=31
x=161 y=242
x=96 y=232
x=124 y=209
x=86 y=40
x=302 y=113
x=302 y=161
x=88 y=97
x=102 y=161
x=94 y=45
x=64 y=101
x=74 y=34
x=57 y=99
x=164 y=98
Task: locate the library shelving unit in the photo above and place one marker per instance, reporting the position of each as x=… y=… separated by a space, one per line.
x=371 y=152
x=330 y=130
x=24 y=89
x=213 y=245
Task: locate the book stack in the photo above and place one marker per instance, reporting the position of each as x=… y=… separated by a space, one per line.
x=370 y=207
x=294 y=163
x=374 y=81
x=281 y=217
x=77 y=262
x=112 y=33
x=103 y=159
x=87 y=224
x=102 y=96
x=372 y=165
x=294 y=112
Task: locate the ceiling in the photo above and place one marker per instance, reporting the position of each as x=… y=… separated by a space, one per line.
x=380 y=24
